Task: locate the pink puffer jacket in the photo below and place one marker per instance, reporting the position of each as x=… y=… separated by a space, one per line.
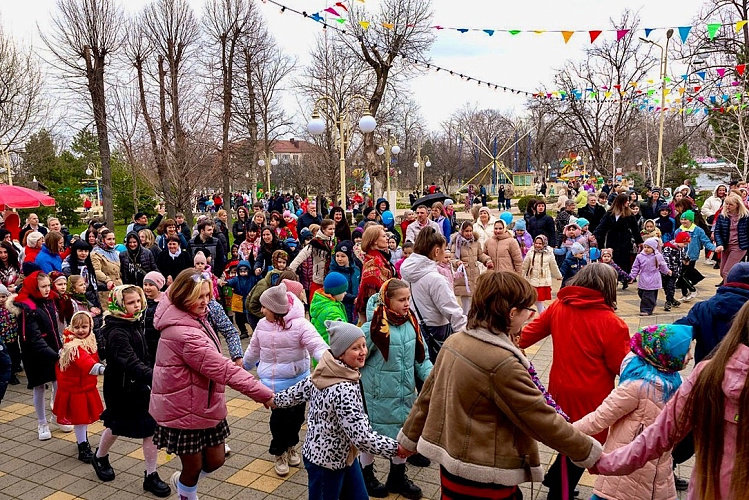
x=628 y=410
x=190 y=373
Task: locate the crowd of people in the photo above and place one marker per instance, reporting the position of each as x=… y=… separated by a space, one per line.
x=406 y=340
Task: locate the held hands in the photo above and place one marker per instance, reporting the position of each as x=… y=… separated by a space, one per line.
x=258 y=271
x=95 y=311
x=490 y=265
x=270 y=404
x=404 y=453
x=718 y=249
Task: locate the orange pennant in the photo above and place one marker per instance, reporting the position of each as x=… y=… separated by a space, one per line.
x=567 y=35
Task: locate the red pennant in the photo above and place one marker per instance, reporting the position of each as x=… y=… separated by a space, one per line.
x=689 y=99
x=594 y=34
x=740 y=69
x=697 y=88
x=618 y=87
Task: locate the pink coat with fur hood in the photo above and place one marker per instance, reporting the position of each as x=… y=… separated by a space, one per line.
x=191 y=373
x=630 y=408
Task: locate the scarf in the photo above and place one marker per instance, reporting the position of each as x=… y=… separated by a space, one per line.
x=176 y=254
x=71 y=343
x=460 y=242
x=542 y=252
x=108 y=252
x=116 y=303
x=689 y=229
x=383 y=317
x=30 y=291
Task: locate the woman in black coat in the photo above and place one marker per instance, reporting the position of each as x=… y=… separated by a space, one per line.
x=239 y=228
x=173 y=260
x=135 y=261
x=542 y=223
x=269 y=243
x=617 y=230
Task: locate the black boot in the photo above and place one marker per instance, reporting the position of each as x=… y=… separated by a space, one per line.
x=419 y=460
x=375 y=488
x=84 y=452
x=102 y=468
x=681 y=484
x=153 y=483
x=398 y=482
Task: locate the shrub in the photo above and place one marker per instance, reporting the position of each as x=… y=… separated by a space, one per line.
x=523 y=202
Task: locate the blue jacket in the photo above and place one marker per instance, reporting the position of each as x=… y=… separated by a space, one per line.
x=699 y=240
x=353 y=275
x=47 y=261
x=390 y=386
x=242 y=285
x=570 y=267
x=711 y=318
x=723 y=228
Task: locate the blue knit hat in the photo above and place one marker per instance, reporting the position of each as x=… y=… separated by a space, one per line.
x=335 y=283
x=520 y=225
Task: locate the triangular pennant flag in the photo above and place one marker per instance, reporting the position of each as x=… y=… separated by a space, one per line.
x=331 y=10
x=740 y=25
x=316 y=17
x=341 y=20
x=684 y=33
x=682 y=90
x=740 y=69
x=339 y=4
x=685 y=77
x=364 y=24
x=648 y=31
x=701 y=74
x=594 y=34
x=463 y=30
x=539 y=32
x=489 y=32
x=712 y=29
x=388 y=25
x=666 y=91
x=567 y=35
x=667 y=79
x=439 y=27
x=721 y=72
x=514 y=32
x=620 y=34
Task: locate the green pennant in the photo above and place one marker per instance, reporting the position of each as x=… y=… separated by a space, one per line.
x=712 y=29
x=667 y=79
x=341 y=20
x=514 y=32
x=651 y=91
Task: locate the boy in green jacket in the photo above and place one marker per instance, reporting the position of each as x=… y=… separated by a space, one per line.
x=326 y=303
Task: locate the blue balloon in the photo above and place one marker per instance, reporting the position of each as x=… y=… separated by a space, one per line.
x=299 y=212
x=595 y=254
x=506 y=217
x=387 y=217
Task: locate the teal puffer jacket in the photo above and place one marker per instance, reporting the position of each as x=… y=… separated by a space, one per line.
x=390 y=386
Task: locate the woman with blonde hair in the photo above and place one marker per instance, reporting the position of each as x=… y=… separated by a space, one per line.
x=731 y=233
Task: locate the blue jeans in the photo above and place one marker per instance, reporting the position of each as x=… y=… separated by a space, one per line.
x=5 y=369
x=329 y=484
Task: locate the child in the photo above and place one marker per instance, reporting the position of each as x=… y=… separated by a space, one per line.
x=343 y=264
x=649 y=378
x=252 y=304
x=648 y=266
x=234 y=253
x=650 y=230
x=241 y=287
x=665 y=224
x=408 y=249
x=635 y=207
x=321 y=249
x=524 y=238
x=539 y=266
x=282 y=344
x=9 y=335
x=607 y=257
x=574 y=261
x=127 y=386
x=588 y=240
x=397 y=356
x=697 y=240
x=153 y=282
x=77 y=399
x=62 y=301
x=280 y=260
x=675 y=254
x=227 y=294
x=396 y=252
x=337 y=417
x=81 y=301
x=445 y=268
x=200 y=263
x=326 y=303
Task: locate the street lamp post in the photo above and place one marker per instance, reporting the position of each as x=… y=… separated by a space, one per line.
x=664 y=65
x=266 y=161
x=420 y=163
x=317 y=126
x=92 y=170
x=391 y=147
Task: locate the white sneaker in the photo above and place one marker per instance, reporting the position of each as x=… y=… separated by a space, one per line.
x=282 y=465
x=44 y=434
x=694 y=294
x=709 y=262
x=62 y=427
x=293 y=456
x=227 y=450
x=686 y=298
x=173 y=481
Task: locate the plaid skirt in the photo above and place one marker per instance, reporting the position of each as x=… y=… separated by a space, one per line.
x=189 y=441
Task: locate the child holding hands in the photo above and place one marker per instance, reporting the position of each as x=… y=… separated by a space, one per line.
x=648 y=266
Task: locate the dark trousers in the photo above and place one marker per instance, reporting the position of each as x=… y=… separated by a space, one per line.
x=6 y=369
x=15 y=355
x=648 y=298
x=285 y=424
x=669 y=286
x=691 y=277
x=329 y=484
x=240 y=319
x=553 y=479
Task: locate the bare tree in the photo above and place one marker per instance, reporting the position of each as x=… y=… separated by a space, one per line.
x=84 y=35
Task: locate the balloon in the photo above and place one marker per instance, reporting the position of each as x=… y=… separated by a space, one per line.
x=387 y=217
x=506 y=217
x=299 y=212
x=595 y=254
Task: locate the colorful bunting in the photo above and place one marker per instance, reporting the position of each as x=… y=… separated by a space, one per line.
x=594 y=34
x=514 y=32
x=389 y=26
x=740 y=69
x=621 y=34
x=648 y=31
x=684 y=33
x=339 y=4
x=331 y=10
x=740 y=25
x=489 y=32
x=364 y=24
x=721 y=72
x=317 y=17
x=712 y=29
x=567 y=35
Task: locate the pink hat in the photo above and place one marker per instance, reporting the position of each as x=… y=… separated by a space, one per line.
x=294 y=287
x=286 y=213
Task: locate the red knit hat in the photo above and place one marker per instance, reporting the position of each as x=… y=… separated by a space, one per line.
x=683 y=237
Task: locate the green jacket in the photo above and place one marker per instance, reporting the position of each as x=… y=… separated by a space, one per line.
x=252 y=303
x=323 y=308
x=390 y=386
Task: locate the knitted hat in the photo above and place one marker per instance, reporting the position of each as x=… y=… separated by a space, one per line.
x=688 y=215
x=346 y=247
x=582 y=222
x=294 y=287
x=577 y=248
x=652 y=243
x=275 y=300
x=199 y=259
x=305 y=234
x=571 y=225
x=738 y=274
x=485 y=209
x=156 y=278
x=4 y=290
x=664 y=207
x=683 y=237
x=291 y=242
x=607 y=251
x=520 y=225
x=342 y=335
x=32 y=239
x=357 y=233
x=335 y=283
x=56 y=275
x=286 y=213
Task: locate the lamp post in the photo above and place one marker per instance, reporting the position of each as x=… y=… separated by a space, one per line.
x=340 y=115
x=420 y=163
x=266 y=161
x=664 y=65
x=93 y=170
x=391 y=147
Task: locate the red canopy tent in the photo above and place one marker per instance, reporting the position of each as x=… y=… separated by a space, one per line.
x=18 y=197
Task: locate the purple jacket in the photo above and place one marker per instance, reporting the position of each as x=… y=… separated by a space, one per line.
x=665 y=432
x=649 y=268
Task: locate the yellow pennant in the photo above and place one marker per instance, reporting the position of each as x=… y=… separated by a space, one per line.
x=740 y=25
x=364 y=24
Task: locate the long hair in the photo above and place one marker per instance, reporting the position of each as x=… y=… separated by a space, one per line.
x=620 y=206
x=708 y=420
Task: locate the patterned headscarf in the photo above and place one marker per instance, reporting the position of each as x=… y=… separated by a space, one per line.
x=383 y=317
x=116 y=303
x=71 y=343
x=660 y=353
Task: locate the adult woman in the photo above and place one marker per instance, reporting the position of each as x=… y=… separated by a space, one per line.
x=503 y=250
x=91 y=237
x=376 y=268
x=239 y=227
x=173 y=260
x=49 y=258
x=431 y=296
x=249 y=249
x=439 y=216
x=135 y=261
x=617 y=229
x=590 y=342
x=542 y=223
x=467 y=253
x=148 y=241
x=483 y=228
x=221 y=229
x=731 y=233
x=258 y=218
x=342 y=229
x=269 y=243
x=169 y=228
x=10 y=270
x=187 y=396
x=106 y=262
x=278 y=224
x=484 y=439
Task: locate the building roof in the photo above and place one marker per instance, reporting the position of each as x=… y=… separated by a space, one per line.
x=293 y=146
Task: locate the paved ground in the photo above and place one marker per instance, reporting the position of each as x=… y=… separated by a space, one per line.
x=30 y=469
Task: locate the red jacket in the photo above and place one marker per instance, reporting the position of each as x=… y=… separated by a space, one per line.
x=590 y=342
x=77 y=399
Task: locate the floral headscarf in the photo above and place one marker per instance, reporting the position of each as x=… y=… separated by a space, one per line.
x=383 y=317
x=116 y=303
x=71 y=343
x=660 y=353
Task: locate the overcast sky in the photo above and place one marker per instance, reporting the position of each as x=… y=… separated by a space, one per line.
x=526 y=61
